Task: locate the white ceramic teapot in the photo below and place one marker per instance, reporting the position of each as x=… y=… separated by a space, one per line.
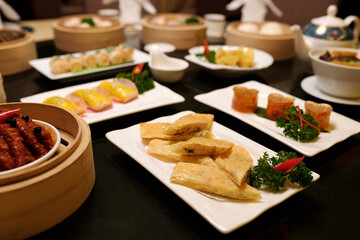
x=326 y=31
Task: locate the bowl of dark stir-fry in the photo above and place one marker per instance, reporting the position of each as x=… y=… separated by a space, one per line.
x=337 y=71
x=24 y=141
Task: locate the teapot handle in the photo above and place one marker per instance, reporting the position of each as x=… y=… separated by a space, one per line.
x=356 y=20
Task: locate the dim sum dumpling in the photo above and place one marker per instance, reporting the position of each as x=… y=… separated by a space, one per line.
x=120 y=92
x=93 y=99
x=65 y=103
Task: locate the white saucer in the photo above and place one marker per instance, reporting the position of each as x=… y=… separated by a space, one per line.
x=164 y=47
x=309 y=86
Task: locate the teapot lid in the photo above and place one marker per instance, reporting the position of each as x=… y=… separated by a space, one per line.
x=330 y=20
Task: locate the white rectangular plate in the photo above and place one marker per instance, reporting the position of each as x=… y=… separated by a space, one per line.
x=341 y=126
x=156 y=97
x=224 y=214
x=43 y=66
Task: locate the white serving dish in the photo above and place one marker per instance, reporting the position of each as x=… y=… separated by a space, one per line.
x=43 y=66
x=224 y=214
x=156 y=97
x=341 y=127
x=335 y=79
x=262 y=60
x=164 y=68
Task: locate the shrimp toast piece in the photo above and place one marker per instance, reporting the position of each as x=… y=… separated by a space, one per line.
x=163 y=150
x=211 y=180
x=156 y=131
x=236 y=163
x=202 y=146
x=190 y=123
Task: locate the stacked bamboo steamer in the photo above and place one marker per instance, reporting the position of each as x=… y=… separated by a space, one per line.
x=75 y=39
x=280 y=46
x=37 y=198
x=16 y=54
x=182 y=36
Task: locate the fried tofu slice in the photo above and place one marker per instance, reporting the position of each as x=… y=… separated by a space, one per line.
x=153 y=130
x=156 y=131
x=202 y=146
x=163 y=150
x=236 y=163
x=211 y=180
x=188 y=124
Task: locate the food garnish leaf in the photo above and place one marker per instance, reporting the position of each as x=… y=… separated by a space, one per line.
x=191 y=20
x=299 y=127
x=264 y=172
x=143 y=81
x=90 y=21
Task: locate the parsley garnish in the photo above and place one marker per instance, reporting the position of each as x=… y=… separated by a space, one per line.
x=143 y=81
x=191 y=20
x=90 y=21
x=304 y=130
x=265 y=174
x=210 y=57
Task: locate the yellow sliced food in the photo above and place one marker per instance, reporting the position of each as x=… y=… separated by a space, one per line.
x=93 y=99
x=64 y=103
x=119 y=91
x=236 y=163
x=211 y=180
x=202 y=146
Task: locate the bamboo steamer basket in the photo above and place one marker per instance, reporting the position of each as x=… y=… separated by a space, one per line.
x=182 y=37
x=37 y=198
x=16 y=54
x=281 y=47
x=73 y=39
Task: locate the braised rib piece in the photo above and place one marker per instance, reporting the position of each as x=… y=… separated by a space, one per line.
x=17 y=148
x=30 y=139
x=6 y=161
x=42 y=135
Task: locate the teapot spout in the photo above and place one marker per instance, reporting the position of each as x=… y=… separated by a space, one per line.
x=301 y=48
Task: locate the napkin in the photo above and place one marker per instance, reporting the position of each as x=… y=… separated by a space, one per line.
x=130 y=10
x=9 y=12
x=253 y=10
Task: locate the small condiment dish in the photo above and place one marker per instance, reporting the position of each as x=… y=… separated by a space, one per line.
x=164 y=68
x=335 y=79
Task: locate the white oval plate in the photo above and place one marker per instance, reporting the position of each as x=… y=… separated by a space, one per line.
x=56 y=135
x=262 y=60
x=308 y=84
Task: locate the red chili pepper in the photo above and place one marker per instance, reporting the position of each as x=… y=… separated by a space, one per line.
x=206 y=48
x=138 y=68
x=7 y=114
x=289 y=164
x=300 y=117
x=309 y=123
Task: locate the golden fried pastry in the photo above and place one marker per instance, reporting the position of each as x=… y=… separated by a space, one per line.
x=211 y=180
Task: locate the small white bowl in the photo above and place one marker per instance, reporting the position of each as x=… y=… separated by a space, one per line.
x=166 y=69
x=335 y=79
x=55 y=134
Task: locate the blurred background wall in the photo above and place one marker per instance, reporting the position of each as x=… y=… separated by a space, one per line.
x=295 y=11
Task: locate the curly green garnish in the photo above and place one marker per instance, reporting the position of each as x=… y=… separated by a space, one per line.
x=267 y=173
x=297 y=125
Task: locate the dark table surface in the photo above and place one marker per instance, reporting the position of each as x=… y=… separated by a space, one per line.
x=128 y=202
